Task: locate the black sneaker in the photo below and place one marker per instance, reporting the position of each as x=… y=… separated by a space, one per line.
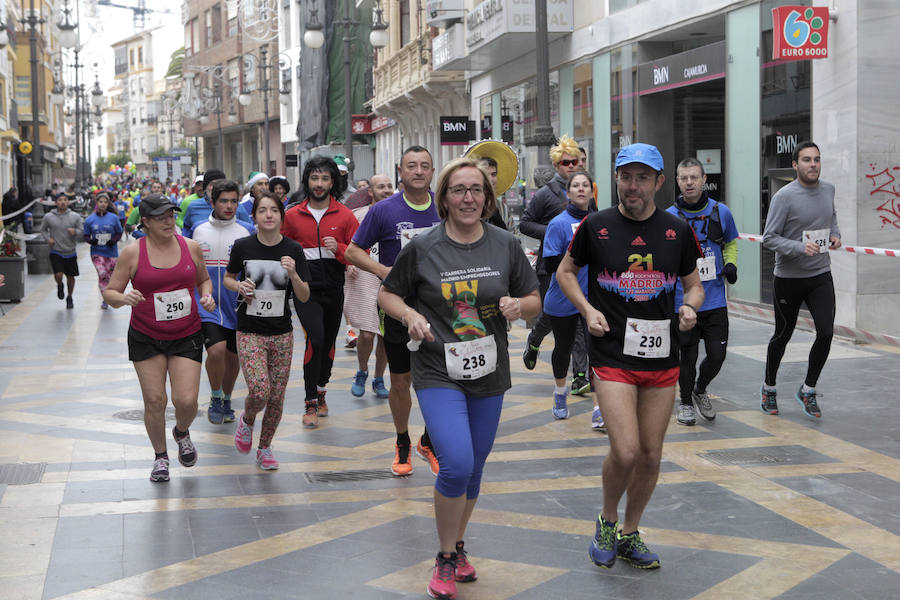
x=530 y=356
x=59 y=291
x=808 y=401
x=160 y=470
x=768 y=402
x=581 y=385
x=187 y=454
x=70 y=303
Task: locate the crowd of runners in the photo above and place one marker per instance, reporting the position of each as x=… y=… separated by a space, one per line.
x=430 y=279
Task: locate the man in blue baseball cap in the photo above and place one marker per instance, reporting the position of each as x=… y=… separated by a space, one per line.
x=635 y=253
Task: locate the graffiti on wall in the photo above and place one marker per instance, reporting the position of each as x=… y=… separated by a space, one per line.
x=886 y=190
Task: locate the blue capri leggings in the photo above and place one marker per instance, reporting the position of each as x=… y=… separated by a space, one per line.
x=462 y=430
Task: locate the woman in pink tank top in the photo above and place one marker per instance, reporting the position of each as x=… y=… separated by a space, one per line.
x=164 y=337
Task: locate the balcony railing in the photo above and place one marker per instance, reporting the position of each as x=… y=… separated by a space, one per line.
x=404 y=72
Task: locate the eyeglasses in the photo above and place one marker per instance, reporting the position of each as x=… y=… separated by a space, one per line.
x=568 y=162
x=459 y=191
x=689 y=178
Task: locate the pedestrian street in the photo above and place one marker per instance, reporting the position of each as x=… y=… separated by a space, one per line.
x=747 y=506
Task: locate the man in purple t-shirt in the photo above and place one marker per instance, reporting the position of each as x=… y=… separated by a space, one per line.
x=390 y=224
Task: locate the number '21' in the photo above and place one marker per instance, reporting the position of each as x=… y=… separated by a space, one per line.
x=640 y=263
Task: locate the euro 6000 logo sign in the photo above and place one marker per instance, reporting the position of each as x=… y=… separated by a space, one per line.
x=799 y=32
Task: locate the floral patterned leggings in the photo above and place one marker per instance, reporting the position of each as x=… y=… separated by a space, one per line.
x=104 y=266
x=266 y=363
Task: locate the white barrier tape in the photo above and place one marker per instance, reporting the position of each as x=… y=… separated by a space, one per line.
x=20 y=211
x=767 y=315
x=752 y=237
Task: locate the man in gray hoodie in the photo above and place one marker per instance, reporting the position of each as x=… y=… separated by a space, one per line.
x=62 y=228
x=800 y=228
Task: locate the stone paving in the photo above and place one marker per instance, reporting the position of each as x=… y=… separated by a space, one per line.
x=748 y=506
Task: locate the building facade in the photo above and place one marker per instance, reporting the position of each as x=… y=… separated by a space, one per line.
x=223 y=61
x=698 y=78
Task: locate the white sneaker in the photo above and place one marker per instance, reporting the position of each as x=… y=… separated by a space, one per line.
x=685 y=414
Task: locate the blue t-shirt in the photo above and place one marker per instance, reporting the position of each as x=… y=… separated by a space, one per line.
x=121 y=208
x=386 y=222
x=699 y=222
x=559 y=233
x=103 y=228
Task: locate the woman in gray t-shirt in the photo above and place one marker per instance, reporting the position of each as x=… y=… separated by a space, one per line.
x=456 y=287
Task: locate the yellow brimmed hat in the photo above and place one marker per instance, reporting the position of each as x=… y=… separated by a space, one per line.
x=507 y=162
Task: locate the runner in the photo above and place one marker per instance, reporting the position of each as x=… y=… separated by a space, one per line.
x=361 y=306
x=199 y=210
x=62 y=227
x=216 y=238
x=271 y=267
x=468 y=281
x=391 y=224
x=256 y=184
x=800 y=228
x=715 y=230
x=102 y=231
x=280 y=186
x=548 y=202
x=634 y=253
x=323 y=227
x=196 y=192
x=564 y=318
x=164 y=337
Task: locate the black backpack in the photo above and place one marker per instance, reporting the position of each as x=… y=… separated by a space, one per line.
x=711 y=226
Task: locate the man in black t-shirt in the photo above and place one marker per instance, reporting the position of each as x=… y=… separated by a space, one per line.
x=634 y=253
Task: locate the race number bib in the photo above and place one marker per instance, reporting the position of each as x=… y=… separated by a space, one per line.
x=170 y=306
x=266 y=303
x=408 y=234
x=471 y=360
x=706 y=267
x=102 y=238
x=373 y=251
x=647 y=339
x=820 y=237
x=575 y=227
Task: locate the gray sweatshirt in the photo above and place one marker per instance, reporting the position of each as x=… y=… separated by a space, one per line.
x=795 y=209
x=55 y=225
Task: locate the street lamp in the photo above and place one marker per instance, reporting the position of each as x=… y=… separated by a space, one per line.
x=68 y=31
x=315 y=38
x=262 y=65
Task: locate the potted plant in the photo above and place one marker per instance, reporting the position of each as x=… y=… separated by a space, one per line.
x=12 y=266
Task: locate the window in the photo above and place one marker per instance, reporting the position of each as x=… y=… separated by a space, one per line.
x=404 y=22
x=121 y=59
x=195 y=34
x=207 y=18
x=140 y=55
x=217 y=22
x=2 y=95
x=284 y=23
x=131 y=58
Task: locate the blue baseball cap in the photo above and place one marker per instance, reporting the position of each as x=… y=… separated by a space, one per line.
x=640 y=153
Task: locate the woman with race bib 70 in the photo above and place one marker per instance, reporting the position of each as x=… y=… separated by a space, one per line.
x=273 y=268
x=164 y=337
x=467 y=279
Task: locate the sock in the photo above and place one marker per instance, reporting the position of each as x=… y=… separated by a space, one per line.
x=426 y=441
x=686 y=402
x=217 y=394
x=698 y=391
x=806 y=389
x=227 y=398
x=403 y=439
x=768 y=388
x=320 y=388
x=178 y=434
x=560 y=390
x=164 y=454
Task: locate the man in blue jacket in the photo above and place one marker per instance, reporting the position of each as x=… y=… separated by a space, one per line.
x=199 y=210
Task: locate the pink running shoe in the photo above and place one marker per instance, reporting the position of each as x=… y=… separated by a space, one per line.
x=443 y=578
x=265 y=460
x=243 y=436
x=465 y=572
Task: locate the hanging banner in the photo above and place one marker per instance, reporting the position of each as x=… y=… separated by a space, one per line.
x=799 y=32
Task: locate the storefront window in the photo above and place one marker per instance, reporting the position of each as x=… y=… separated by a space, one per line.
x=518 y=104
x=582 y=106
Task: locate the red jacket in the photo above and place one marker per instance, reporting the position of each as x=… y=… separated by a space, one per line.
x=326 y=268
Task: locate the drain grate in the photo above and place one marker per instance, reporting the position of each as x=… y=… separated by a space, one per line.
x=22 y=474
x=137 y=414
x=360 y=475
x=770 y=455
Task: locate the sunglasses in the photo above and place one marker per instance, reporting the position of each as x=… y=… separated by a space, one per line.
x=569 y=162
